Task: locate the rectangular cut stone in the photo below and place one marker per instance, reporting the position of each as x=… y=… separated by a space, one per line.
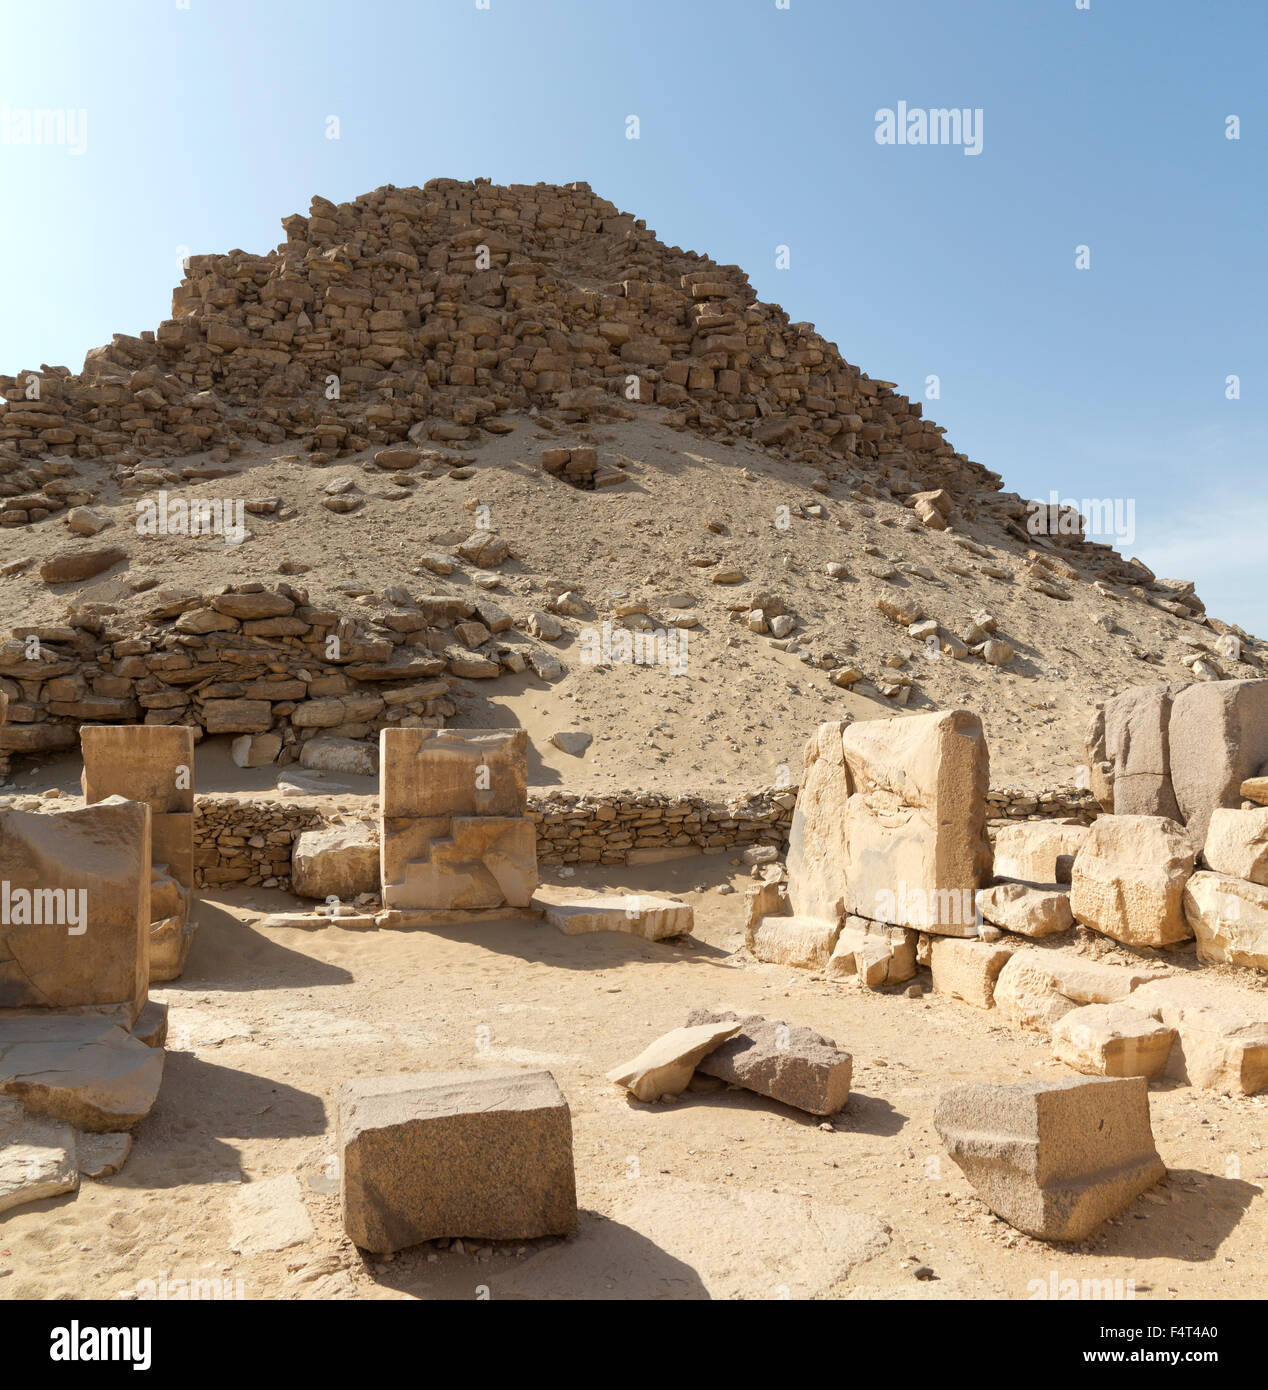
x=638 y=914
x=1219 y=737
x=1112 y=1040
x=486 y=861
x=967 y=970
x=153 y=763
x=1223 y=1031
x=1037 y=851
x=1037 y=987
x=1128 y=749
x=481 y=1155
x=791 y=1065
x=1055 y=1159
x=916 y=849
x=1229 y=917
x=103 y=852
x=803 y=941
x=1128 y=880
x=454 y=772
x=816 y=842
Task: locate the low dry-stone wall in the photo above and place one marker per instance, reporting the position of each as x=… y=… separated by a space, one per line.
x=247 y=839
x=1067 y=802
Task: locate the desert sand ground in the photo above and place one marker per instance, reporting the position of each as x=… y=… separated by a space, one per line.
x=722 y=1194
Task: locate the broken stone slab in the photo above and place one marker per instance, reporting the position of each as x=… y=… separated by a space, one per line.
x=1128 y=880
x=86 y=1071
x=1223 y=1031
x=792 y=1065
x=255 y=750
x=339 y=861
x=968 y=970
x=873 y=954
x=1255 y=789
x=1237 y=844
x=1229 y=917
x=37 y=1157
x=916 y=849
x=171 y=939
x=75 y=924
x=1037 y=851
x=638 y=914
x=1218 y=737
x=430 y=919
x=1112 y=1040
x=800 y=941
x=1055 y=1159
x=1037 y=987
x=666 y=1066
x=269 y=1215
x=102 y=1155
x=485 y=1155
x=151 y=1024
x=1029 y=909
x=316 y=920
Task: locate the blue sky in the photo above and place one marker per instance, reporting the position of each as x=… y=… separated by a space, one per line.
x=1103 y=127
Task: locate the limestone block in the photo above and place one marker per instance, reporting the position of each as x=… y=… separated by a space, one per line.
x=1112 y=1040
x=1128 y=880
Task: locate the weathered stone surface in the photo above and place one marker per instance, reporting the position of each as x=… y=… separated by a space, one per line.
x=153 y=763
x=916 y=849
x=340 y=861
x=817 y=840
x=74 y=566
x=664 y=1067
x=1128 y=880
x=269 y=1215
x=873 y=954
x=1037 y=851
x=1223 y=1031
x=1037 y=987
x=1112 y=1040
x=1055 y=1159
x=98 y=859
x=1229 y=917
x=1028 y=909
x=102 y=1155
x=343 y=755
x=458 y=1154
x=37 y=1157
x=792 y=1065
x=1255 y=789
x=968 y=970
x=800 y=941
x=86 y=1071
x=1129 y=752
x=1218 y=738
x=256 y=750
x=484 y=861
x=1237 y=844
x=639 y=914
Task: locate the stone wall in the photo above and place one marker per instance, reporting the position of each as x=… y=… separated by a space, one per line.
x=247 y=839
x=1067 y=802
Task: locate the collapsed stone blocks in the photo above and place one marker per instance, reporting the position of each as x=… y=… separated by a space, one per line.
x=580 y=466
x=792 y=1065
x=1222 y=1041
x=1037 y=851
x=155 y=764
x=967 y=970
x=485 y=1155
x=1055 y=1159
x=453 y=829
x=1036 y=987
x=1229 y=917
x=665 y=1067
